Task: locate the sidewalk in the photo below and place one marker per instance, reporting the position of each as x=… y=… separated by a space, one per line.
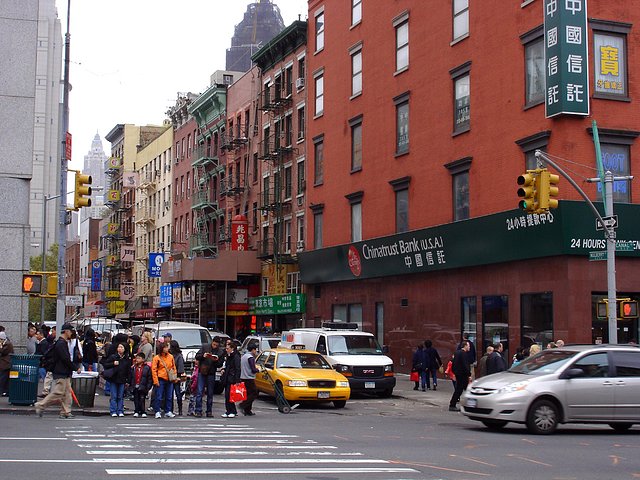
x=404 y=389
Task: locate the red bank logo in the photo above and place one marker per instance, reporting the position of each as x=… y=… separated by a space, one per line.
x=355 y=264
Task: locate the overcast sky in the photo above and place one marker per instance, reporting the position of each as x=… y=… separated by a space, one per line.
x=129 y=58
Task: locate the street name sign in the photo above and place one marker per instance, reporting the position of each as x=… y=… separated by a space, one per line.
x=596 y=256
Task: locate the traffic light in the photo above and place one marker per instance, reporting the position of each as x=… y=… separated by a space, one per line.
x=31 y=283
x=547 y=191
x=628 y=309
x=52 y=285
x=527 y=191
x=82 y=191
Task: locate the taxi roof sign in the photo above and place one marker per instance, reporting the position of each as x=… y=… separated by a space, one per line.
x=298 y=346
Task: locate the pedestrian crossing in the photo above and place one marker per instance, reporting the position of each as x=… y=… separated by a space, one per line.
x=187 y=447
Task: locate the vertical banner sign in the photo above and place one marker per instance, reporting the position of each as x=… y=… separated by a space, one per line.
x=155 y=264
x=166 y=295
x=96 y=275
x=566 y=57
x=239 y=227
x=67 y=146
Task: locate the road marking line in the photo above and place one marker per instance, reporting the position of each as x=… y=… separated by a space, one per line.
x=258 y=471
x=33 y=438
x=471 y=459
x=426 y=465
x=520 y=457
x=240 y=460
x=220 y=452
x=163 y=435
x=198 y=446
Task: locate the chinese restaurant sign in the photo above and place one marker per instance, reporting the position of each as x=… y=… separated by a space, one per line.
x=566 y=57
x=278 y=304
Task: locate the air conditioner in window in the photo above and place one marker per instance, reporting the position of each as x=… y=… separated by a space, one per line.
x=167 y=205
x=299 y=83
x=300 y=200
x=158 y=173
x=300 y=245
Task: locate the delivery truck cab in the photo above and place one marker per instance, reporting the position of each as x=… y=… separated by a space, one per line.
x=355 y=354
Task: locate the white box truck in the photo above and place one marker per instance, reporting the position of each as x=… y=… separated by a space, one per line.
x=355 y=354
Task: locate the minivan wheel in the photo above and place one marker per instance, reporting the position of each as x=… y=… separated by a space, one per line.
x=494 y=425
x=621 y=427
x=542 y=418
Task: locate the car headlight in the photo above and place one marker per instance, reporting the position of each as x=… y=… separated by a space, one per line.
x=388 y=368
x=343 y=384
x=342 y=368
x=297 y=383
x=514 y=387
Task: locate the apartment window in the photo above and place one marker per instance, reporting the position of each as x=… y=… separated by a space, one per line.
x=293 y=282
x=402 y=210
x=460 y=18
x=301 y=68
x=356 y=71
x=355 y=201
x=402 y=123
x=401 y=24
x=319 y=82
x=288 y=130
x=287 y=182
x=319 y=31
x=534 y=70
x=256 y=212
x=301 y=183
x=287 y=236
x=318 y=157
x=462 y=98
x=289 y=80
x=255 y=167
x=317 y=230
x=356 y=11
x=536 y=317
x=616 y=157
x=265 y=286
x=530 y=144
x=610 y=58
x=300 y=231
x=301 y=121
x=459 y=171
x=356 y=143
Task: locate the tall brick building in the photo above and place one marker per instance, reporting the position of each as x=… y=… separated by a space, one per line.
x=419 y=122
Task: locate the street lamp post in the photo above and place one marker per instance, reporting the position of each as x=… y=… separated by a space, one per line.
x=44 y=245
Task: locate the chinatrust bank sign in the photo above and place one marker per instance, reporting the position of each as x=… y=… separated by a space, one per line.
x=502 y=237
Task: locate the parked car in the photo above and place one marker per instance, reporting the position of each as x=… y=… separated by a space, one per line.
x=302 y=375
x=264 y=342
x=573 y=384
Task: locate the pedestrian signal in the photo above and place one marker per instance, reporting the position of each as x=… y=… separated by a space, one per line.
x=31 y=283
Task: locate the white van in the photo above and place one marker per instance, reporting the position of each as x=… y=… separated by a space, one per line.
x=355 y=354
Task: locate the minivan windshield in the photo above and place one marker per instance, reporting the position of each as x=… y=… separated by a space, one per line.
x=353 y=345
x=544 y=363
x=189 y=338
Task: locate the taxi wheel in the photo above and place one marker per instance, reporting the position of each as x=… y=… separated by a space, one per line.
x=339 y=403
x=543 y=417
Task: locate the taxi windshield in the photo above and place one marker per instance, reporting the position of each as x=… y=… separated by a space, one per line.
x=543 y=363
x=353 y=345
x=302 y=360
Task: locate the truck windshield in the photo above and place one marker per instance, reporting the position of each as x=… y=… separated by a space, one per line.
x=353 y=345
x=190 y=338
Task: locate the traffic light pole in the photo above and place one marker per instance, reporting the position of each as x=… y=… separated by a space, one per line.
x=62 y=226
x=610 y=234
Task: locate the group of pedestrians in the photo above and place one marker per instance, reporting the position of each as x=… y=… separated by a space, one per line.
x=426 y=363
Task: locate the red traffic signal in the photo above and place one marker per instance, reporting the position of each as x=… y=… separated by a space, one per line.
x=629 y=309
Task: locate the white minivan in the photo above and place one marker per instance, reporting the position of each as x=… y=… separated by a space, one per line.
x=355 y=354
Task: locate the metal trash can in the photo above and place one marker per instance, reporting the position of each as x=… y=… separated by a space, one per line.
x=84 y=386
x=23 y=379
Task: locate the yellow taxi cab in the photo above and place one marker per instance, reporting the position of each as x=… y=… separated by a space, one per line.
x=302 y=375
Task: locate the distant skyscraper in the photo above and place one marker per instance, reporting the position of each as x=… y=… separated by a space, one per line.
x=262 y=21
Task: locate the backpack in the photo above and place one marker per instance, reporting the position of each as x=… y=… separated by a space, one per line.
x=48 y=360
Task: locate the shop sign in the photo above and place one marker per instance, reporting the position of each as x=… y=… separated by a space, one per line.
x=96 y=275
x=501 y=237
x=278 y=304
x=116 y=306
x=166 y=295
x=128 y=253
x=155 y=264
x=566 y=57
x=127 y=291
x=111 y=294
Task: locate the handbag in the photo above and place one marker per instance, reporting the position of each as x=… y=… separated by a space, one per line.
x=237 y=392
x=441 y=369
x=171 y=373
x=109 y=373
x=414 y=377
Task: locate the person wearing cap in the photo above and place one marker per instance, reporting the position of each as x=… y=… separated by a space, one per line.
x=62 y=371
x=167 y=337
x=6 y=349
x=248 y=372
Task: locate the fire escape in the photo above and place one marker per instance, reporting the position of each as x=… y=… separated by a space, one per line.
x=204 y=201
x=112 y=233
x=146 y=221
x=276 y=149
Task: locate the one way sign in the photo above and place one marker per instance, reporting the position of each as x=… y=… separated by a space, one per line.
x=609 y=222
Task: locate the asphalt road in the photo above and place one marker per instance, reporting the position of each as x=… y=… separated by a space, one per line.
x=396 y=438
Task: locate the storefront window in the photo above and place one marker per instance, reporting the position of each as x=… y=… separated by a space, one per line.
x=536 y=316
x=468 y=320
x=495 y=322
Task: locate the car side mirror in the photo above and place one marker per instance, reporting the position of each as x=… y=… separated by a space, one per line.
x=572 y=373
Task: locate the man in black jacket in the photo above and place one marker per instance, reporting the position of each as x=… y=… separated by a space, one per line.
x=495 y=361
x=210 y=358
x=462 y=370
x=62 y=372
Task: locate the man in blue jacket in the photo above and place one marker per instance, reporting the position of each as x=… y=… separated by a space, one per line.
x=62 y=371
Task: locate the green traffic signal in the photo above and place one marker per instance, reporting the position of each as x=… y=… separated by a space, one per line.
x=527 y=192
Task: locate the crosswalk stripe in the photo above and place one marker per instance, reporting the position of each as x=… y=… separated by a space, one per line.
x=199 y=446
x=239 y=460
x=163 y=435
x=261 y=471
x=220 y=452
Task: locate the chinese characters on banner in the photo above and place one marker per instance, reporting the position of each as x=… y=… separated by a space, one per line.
x=566 y=57
x=239 y=227
x=609 y=55
x=96 y=275
x=155 y=264
x=128 y=253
